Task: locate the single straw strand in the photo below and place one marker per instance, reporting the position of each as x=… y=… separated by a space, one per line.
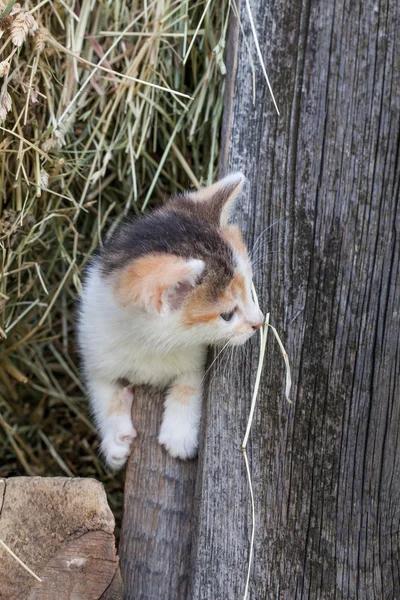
x=263 y=342
x=263 y=337
x=253 y=524
x=287 y=364
x=253 y=28
x=19 y=560
x=196 y=32
x=162 y=161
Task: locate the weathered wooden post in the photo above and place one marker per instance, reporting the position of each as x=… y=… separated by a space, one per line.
x=326 y=471
x=158 y=502
x=326 y=173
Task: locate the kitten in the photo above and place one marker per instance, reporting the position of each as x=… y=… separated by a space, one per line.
x=161 y=290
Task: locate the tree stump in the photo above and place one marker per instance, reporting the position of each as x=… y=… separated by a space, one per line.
x=62 y=529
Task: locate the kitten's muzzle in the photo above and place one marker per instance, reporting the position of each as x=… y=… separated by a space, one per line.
x=257 y=321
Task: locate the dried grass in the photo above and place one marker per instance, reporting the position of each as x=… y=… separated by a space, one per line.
x=263 y=334
x=87 y=135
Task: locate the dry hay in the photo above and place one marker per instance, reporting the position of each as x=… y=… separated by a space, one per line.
x=80 y=146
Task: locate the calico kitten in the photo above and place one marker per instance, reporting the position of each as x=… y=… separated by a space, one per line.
x=161 y=290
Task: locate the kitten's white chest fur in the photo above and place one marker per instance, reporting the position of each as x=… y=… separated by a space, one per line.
x=117 y=346
x=162 y=290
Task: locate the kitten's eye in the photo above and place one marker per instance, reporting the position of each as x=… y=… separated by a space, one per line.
x=228 y=315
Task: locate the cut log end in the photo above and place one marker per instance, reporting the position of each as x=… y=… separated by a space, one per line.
x=61 y=530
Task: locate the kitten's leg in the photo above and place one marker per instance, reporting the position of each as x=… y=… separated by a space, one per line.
x=179 y=431
x=111 y=405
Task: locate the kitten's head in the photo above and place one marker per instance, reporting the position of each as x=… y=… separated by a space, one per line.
x=186 y=267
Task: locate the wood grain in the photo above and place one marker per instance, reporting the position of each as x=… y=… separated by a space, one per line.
x=62 y=529
x=324 y=178
x=156 y=529
x=81 y=568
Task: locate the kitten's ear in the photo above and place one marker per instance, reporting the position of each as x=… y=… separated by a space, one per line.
x=159 y=282
x=219 y=198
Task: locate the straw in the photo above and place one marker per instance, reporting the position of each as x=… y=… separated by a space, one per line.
x=263 y=341
x=98 y=118
x=4 y=545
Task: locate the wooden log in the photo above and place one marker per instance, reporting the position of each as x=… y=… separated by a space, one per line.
x=62 y=529
x=156 y=528
x=325 y=177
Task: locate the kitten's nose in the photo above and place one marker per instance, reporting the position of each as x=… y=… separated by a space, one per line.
x=257 y=320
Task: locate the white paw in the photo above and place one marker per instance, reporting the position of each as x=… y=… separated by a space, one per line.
x=179 y=434
x=117 y=441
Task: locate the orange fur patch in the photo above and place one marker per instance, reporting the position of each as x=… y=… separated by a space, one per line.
x=233 y=236
x=237 y=287
x=195 y=313
x=200 y=310
x=182 y=393
x=146 y=279
x=118 y=404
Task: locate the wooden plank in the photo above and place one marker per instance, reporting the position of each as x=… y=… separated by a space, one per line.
x=325 y=175
x=62 y=529
x=156 y=529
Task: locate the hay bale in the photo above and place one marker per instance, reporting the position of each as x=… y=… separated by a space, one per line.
x=79 y=148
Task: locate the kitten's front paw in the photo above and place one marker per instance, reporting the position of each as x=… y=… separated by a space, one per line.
x=117 y=442
x=179 y=436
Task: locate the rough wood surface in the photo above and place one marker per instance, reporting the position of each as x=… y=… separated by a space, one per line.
x=325 y=175
x=158 y=501
x=62 y=529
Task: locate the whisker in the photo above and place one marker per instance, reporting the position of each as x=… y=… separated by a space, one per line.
x=262 y=256
x=259 y=269
x=262 y=233
x=219 y=353
x=259 y=245
x=260 y=248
